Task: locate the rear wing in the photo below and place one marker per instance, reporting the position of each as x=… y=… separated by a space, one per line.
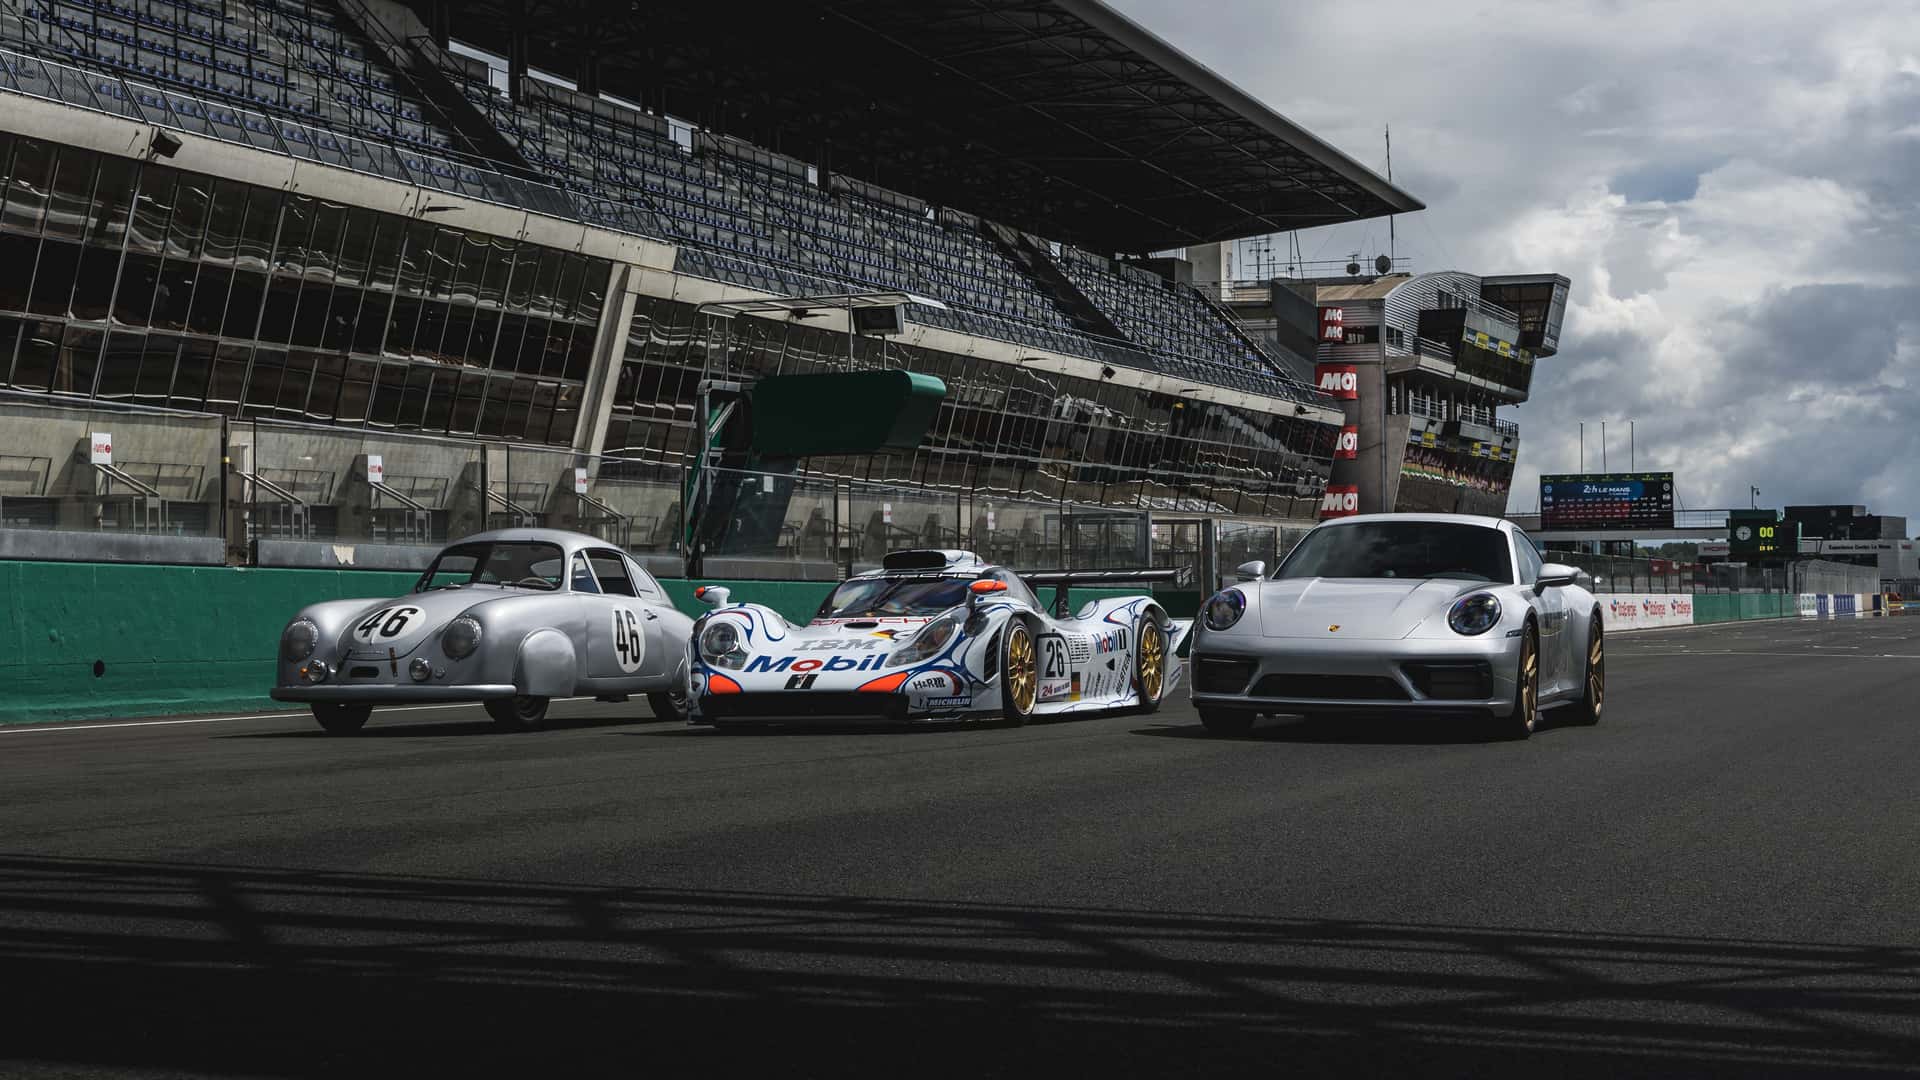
x=1062 y=580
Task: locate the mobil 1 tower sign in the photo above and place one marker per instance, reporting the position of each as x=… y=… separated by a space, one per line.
x=1607 y=501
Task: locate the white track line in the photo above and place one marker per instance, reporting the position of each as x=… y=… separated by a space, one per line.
x=36 y=729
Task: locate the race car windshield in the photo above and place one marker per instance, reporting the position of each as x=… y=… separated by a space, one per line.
x=1401 y=549
x=525 y=564
x=893 y=597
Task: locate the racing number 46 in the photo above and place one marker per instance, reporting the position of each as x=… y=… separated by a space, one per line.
x=628 y=642
x=387 y=622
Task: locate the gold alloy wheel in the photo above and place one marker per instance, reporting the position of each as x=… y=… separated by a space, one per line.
x=1153 y=662
x=1596 y=672
x=1021 y=682
x=1529 y=681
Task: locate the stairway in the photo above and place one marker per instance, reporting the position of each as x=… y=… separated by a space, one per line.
x=1027 y=254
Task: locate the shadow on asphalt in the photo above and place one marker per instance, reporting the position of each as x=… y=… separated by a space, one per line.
x=418 y=729
x=1381 y=731
x=146 y=967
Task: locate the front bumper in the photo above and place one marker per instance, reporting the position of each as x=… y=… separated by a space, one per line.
x=818 y=707
x=391 y=694
x=1464 y=676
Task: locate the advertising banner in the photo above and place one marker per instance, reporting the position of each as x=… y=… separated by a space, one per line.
x=579 y=480
x=1341 y=500
x=1333 y=325
x=376 y=470
x=1645 y=611
x=1346 y=446
x=1340 y=380
x=101 y=451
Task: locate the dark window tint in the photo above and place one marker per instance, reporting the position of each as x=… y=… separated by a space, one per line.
x=53 y=278
x=1402 y=549
x=156 y=369
x=187 y=229
x=151 y=209
x=17 y=254
x=79 y=360
x=29 y=177
x=257 y=229
x=229 y=377
x=69 y=202
x=224 y=219
x=611 y=569
x=209 y=300
x=247 y=293
x=276 y=320
x=120 y=367
x=191 y=376
x=356 y=388
x=93 y=287
x=173 y=297
x=39 y=351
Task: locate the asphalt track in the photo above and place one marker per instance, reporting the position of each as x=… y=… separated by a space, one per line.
x=1721 y=878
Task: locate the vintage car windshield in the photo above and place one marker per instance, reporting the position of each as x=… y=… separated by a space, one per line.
x=893 y=597
x=530 y=564
x=1402 y=549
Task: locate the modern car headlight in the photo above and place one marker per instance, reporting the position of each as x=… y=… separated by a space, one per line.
x=930 y=640
x=461 y=637
x=299 y=639
x=1474 y=614
x=720 y=645
x=1225 y=609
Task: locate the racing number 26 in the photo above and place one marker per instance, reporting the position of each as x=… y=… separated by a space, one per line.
x=387 y=622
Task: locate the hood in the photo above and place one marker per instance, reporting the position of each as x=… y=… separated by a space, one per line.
x=838 y=654
x=413 y=618
x=1362 y=608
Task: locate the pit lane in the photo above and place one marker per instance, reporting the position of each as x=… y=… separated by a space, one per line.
x=1718 y=878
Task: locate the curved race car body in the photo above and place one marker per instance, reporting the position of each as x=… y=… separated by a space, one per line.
x=1380 y=636
x=877 y=665
x=574 y=615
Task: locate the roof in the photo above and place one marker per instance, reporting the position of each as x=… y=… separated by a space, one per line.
x=1063 y=118
x=569 y=541
x=1375 y=289
x=1434 y=519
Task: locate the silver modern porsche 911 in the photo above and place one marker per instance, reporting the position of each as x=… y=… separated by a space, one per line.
x=1413 y=614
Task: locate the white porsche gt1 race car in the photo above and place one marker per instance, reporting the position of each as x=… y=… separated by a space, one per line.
x=936 y=635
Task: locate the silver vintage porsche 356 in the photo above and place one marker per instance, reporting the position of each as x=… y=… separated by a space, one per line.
x=511 y=619
x=1432 y=615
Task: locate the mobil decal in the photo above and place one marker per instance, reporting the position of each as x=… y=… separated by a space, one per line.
x=815 y=663
x=1333 y=325
x=1346 y=445
x=1341 y=500
x=1112 y=641
x=1340 y=380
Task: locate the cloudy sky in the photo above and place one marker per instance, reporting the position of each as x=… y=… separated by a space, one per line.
x=1733 y=188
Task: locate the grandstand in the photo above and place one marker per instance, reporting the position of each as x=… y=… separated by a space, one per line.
x=1028 y=156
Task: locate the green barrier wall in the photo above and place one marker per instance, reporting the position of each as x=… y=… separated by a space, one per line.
x=97 y=640
x=1732 y=607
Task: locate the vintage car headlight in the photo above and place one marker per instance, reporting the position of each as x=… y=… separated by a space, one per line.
x=1225 y=609
x=720 y=645
x=461 y=637
x=299 y=639
x=930 y=640
x=1474 y=614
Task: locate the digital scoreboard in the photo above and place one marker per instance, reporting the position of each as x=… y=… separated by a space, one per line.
x=1607 y=501
x=1760 y=534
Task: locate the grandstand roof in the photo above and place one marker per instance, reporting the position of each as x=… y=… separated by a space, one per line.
x=1060 y=117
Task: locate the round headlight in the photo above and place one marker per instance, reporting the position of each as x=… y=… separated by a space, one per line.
x=299 y=639
x=461 y=637
x=1474 y=614
x=1225 y=609
x=718 y=640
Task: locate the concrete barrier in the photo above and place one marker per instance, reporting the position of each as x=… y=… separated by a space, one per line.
x=99 y=640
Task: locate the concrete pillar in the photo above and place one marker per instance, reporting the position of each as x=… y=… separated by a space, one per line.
x=1212 y=263
x=609 y=351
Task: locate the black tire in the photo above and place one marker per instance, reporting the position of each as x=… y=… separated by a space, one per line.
x=1150 y=649
x=1019 y=674
x=667 y=705
x=341 y=719
x=1586 y=709
x=1219 y=721
x=519 y=713
x=1526 y=691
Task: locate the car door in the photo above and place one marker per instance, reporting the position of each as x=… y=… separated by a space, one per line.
x=666 y=628
x=619 y=641
x=1551 y=606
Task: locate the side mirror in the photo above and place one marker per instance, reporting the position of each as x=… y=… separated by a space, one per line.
x=1250 y=571
x=1556 y=575
x=712 y=595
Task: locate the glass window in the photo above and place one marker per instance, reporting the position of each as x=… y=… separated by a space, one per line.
x=53 y=277
x=413 y=395
x=173 y=296
x=229 y=377
x=545 y=283
x=224 y=218
x=93 y=287
x=209 y=300
x=120 y=366
x=370 y=324
x=643 y=582
x=187 y=229
x=493 y=279
x=439 y=399
x=522 y=564
x=79 y=360
x=323 y=247
x=453 y=346
x=337 y=334
x=415 y=255
x=263 y=382
x=296 y=226
x=28 y=179
x=583 y=578
x=39 y=351
x=156 y=369
x=242 y=316
x=389 y=385
x=1401 y=549
x=593 y=288
x=567 y=289
x=191 y=376
x=17 y=255
x=893 y=597
x=356 y=388
x=9 y=328
x=71 y=197
x=1526 y=557
x=294 y=385
x=383 y=257
x=442 y=262
x=328 y=372
x=471 y=389
x=355 y=243
x=151 y=208
x=432 y=328
x=472 y=267
x=258 y=228
x=520 y=279
x=612 y=571
x=310 y=318
x=276 y=320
